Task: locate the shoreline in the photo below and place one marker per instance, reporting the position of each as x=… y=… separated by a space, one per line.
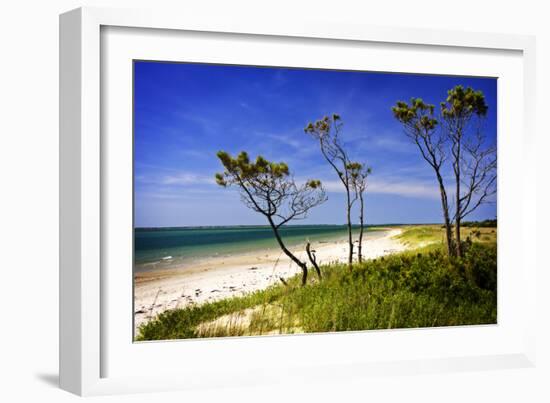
x=169 y=262
x=216 y=278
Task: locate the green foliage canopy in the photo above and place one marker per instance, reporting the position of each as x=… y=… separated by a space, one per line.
x=418 y=114
x=358 y=174
x=268 y=188
x=463 y=103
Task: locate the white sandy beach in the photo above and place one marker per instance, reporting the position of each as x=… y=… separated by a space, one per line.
x=222 y=277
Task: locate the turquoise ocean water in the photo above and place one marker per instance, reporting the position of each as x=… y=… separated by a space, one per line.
x=168 y=247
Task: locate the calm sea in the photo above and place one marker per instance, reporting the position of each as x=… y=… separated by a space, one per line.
x=166 y=247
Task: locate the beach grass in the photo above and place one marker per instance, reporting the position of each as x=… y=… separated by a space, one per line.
x=416 y=236
x=421 y=287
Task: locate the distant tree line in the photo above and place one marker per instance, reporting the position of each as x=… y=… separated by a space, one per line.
x=480 y=224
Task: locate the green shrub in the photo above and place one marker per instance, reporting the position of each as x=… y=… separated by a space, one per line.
x=423 y=288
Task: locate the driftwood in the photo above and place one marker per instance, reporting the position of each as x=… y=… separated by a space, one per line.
x=283 y=281
x=154 y=303
x=313 y=259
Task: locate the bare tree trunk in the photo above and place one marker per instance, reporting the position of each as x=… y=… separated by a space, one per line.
x=361 y=223
x=446 y=217
x=457 y=236
x=448 y=232
x=350 y=237
x=300 y=264
x=458 y=202
x=313 y=260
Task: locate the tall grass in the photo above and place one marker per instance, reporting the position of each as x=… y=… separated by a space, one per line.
x=422 y=288
x=416 y=236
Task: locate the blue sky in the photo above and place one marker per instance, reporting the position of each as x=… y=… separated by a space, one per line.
x=185 y=113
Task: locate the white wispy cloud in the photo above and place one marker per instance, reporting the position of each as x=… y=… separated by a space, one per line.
x=377 y=185
x=393 y=143
x=285 y=139
x=208 y=124
x=426 y=190
x=192 y=153
x=187 y=178
x=291 y=146
x=182 y=194
x=383 y=141
x=413 y=189
x=175 y=177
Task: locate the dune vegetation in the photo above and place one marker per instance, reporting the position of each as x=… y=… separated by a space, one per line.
x=422 y=287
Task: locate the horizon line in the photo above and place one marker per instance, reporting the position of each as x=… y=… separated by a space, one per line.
x=303 y=225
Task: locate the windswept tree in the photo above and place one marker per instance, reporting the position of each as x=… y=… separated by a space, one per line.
x=455 y=135
x=474 y=162
x=359 y=174
x=327 y=132
x=269 y=189
x=421 y=126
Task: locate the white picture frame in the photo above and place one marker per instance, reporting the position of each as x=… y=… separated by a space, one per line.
x=85 y=345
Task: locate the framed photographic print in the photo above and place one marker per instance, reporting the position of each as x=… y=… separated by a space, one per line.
x=249 y=195
x=256 y=240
